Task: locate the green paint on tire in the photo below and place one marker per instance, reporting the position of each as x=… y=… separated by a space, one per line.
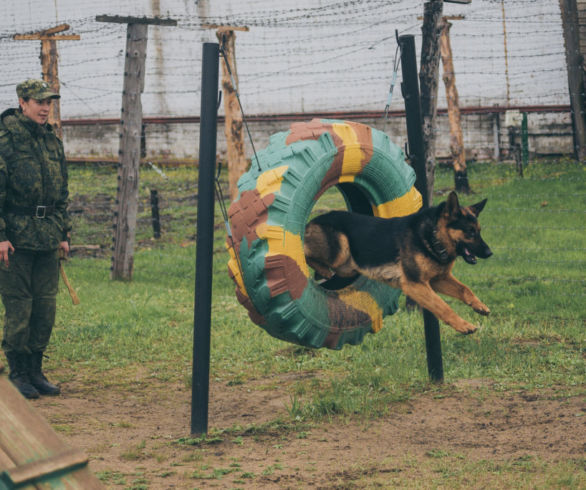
x=268 y=220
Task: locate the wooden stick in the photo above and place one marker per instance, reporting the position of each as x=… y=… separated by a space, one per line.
x=72 y=292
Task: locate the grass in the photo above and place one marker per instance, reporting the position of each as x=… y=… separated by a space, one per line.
x=533 y=284
x=533 y=340
x=447 y=470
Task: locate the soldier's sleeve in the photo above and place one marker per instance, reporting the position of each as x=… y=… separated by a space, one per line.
x=3 y=179
x=61 y=205
x=5 y=145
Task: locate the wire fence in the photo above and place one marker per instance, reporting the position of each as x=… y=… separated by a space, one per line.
x=297 y=56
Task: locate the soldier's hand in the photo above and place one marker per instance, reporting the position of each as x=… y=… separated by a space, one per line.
x=64 y=249
x=6 y=249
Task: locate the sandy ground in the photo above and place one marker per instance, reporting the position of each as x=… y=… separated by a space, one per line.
x=139 y=438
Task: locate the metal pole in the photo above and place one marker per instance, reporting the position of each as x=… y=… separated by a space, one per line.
x=155 y=218
x=410 y=90
x=205 y=239
x=525 y=141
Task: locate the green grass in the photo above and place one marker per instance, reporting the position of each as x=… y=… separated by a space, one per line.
x=533 y=284
x=533 y=340
x=447 y=470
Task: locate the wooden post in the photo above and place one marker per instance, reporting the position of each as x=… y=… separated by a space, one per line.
x=233 y=125
x=50 y=64
x=428 y=80
x=128 y=168
x=576 y=75
x=130 y=141
x=456 y=139
x=49 y=60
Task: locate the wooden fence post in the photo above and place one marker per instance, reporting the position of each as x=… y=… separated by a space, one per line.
x=50 y=64
x=428 y=81
x=233 y=124
x=128 y=169
x=457 y=150
x=130 y=141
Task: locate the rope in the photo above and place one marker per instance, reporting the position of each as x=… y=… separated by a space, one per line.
x=394 y=77
x=220 y=197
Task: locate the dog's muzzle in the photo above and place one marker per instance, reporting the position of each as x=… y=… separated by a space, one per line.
x=469 y=254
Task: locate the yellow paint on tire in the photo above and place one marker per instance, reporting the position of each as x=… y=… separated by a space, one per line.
x=402 y=206
x=282 y=242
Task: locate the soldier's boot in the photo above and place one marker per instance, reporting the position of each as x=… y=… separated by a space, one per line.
x=38 y=379
x=19 y=374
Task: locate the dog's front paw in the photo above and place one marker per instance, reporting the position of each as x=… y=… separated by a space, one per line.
x=465 y=328
x=481 y=309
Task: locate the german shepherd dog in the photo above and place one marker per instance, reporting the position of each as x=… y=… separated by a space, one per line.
x=415 y=253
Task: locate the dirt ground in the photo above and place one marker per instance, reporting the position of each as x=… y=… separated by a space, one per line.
x=139 y=438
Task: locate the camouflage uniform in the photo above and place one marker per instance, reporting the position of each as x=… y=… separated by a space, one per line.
x=33 y=217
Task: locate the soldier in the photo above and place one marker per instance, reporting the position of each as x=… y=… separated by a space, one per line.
x=34 y=229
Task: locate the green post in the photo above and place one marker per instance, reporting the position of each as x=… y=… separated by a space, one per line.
x=525 y=141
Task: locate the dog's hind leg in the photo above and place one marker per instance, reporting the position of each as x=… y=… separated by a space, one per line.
x=450 y=286
x=427 y=298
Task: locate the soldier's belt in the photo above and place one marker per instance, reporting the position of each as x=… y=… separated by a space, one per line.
x=34 y=211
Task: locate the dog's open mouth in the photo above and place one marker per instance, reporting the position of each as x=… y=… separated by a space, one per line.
x=468 y=256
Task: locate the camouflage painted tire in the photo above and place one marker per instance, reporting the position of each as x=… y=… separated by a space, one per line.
x=268 y=220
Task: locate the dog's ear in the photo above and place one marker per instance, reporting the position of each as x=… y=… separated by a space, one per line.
x=452 y=207
x=476 y=208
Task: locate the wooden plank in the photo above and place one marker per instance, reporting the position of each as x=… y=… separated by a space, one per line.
x=23 y=435
x=66 y=460
x=225 y=28
x=39 y=37
x=26 y=37
x=136 y=20
x=5 y=461
x=26 y=437
x=56 y=29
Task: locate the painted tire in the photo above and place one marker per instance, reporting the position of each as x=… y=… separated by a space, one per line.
x=268 y=219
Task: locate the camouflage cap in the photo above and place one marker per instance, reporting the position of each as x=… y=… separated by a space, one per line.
x=35 y=89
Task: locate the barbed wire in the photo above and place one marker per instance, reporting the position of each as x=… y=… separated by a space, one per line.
x=357 y=43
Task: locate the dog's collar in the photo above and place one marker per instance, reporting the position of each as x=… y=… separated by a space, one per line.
x=437 y=249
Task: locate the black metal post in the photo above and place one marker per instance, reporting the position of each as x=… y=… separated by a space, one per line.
x=205 y=239
x=410 y=90
x=156 y=220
